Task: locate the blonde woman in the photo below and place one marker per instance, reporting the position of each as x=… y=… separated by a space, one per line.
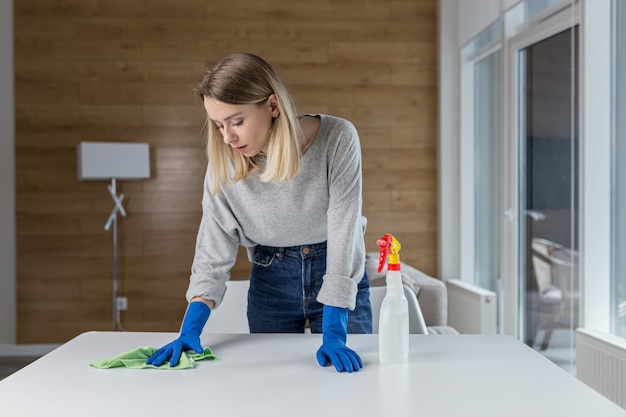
x=287 y=187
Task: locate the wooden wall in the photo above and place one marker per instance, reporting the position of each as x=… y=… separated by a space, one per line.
x=123 y=70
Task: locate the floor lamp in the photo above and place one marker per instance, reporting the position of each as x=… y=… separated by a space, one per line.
x=113 y=161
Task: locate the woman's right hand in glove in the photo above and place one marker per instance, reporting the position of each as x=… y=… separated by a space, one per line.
x=196 y=317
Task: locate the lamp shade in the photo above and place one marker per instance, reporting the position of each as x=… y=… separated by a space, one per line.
x=108 y=160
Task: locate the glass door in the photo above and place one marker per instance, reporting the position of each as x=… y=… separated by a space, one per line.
x=548 y=201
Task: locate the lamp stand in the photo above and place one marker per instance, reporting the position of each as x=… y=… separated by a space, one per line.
x=112 y=221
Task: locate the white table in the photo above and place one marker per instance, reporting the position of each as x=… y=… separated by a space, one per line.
x=278 y=375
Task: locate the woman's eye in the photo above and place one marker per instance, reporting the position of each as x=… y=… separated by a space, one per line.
x=239 y=123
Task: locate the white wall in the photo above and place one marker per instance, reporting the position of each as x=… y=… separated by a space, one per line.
x=595 y=242
x=7 y=178
x=477 y=15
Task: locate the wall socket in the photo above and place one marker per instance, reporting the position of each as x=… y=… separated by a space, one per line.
x=122 y=303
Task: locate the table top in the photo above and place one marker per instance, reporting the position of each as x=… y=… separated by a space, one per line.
x=277 y=374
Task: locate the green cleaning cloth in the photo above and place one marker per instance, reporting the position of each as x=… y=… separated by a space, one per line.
x=136 y=359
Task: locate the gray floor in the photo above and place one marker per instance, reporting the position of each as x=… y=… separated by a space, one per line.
x=8 y=365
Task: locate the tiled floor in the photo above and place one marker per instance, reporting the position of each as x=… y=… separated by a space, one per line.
x=8 y=365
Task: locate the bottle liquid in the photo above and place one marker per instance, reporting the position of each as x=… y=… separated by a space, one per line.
x=393 y=330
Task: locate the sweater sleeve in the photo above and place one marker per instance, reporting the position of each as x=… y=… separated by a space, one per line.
x=345 y=245
x=216 y=248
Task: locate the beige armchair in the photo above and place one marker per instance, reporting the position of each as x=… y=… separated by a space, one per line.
x=431 y=293
x=556 y=271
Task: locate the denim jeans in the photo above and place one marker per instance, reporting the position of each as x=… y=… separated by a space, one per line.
x=284 y=284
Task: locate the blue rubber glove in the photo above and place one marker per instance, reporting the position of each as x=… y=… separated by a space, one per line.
x=195 y=319
x=334 y=349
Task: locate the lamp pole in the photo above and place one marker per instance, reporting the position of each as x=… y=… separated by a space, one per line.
x=112 y=221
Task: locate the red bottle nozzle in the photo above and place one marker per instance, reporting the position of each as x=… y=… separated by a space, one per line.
x=384 y=243
x=389 y=247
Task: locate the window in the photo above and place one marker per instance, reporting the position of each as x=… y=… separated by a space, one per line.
x=480 y=153
x=534 y=7
x=487 y=171
x=562 y=140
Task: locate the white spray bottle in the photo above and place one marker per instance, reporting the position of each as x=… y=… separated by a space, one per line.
x=393 y=330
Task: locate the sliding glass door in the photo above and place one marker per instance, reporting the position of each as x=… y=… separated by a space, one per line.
x=548 y=184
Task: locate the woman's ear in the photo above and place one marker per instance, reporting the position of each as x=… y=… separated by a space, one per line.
x=272 y=102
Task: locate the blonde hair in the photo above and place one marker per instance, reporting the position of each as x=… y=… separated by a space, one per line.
x=247 y=79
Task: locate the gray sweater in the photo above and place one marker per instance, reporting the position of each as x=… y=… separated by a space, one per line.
x=322 y=203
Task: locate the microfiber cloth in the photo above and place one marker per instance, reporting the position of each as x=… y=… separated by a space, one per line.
x=136 y=359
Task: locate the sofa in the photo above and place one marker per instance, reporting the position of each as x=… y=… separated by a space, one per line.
x=431 y=293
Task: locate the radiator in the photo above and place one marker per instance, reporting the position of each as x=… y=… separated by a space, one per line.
x=471 y=309
x=601 y=363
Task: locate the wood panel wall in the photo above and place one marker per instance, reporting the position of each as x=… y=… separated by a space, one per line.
x=123 y=70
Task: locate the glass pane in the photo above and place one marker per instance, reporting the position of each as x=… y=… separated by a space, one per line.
x=489 y=35
x=487 y=171
x=534 y=7
x=619 y=172
x=549 y=195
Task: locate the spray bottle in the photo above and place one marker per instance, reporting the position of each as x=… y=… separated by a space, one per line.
x=393 y=331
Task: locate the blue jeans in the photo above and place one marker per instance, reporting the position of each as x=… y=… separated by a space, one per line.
x=284 y=284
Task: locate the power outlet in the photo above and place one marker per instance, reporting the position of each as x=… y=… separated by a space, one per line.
x=122 y=303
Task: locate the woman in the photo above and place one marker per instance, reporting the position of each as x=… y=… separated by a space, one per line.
x=288 y=188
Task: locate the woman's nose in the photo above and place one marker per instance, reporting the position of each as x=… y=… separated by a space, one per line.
x=229 y=136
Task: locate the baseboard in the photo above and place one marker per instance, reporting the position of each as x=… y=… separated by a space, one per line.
x=26 y=350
